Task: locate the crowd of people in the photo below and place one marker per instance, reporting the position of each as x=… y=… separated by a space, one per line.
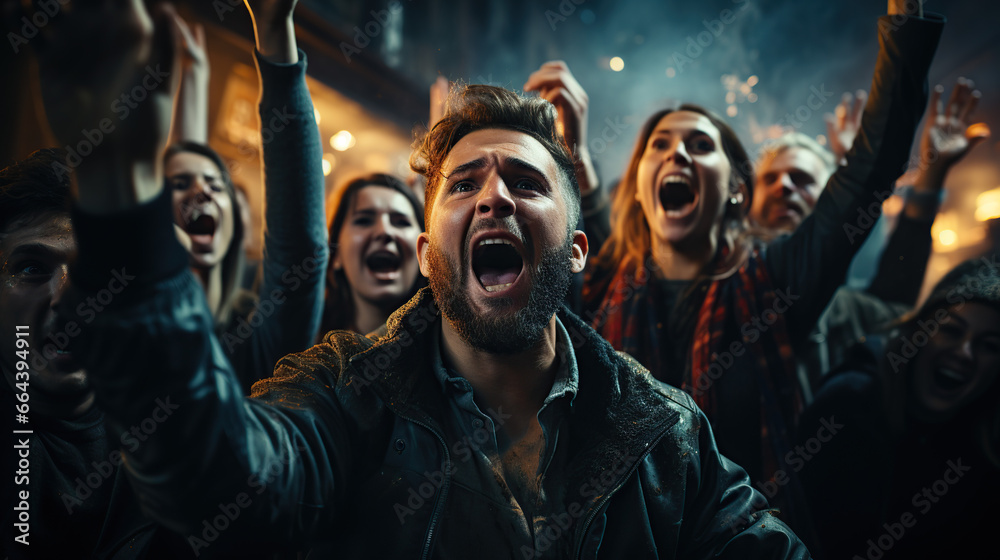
x=508 y=360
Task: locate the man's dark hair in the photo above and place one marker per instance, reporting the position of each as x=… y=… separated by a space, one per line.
x=480 y=107
x=34 y=186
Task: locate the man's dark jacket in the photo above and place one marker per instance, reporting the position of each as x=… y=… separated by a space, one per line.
x=344 y=449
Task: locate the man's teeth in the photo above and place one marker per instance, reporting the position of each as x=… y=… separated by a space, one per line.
x=495 y=242
x=497 y=287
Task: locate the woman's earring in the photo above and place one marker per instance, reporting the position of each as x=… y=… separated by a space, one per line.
x=736 y=198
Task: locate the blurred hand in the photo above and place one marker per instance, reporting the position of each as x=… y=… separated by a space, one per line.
x=439 y=99
x=270 y=13
x=192 y=47
x=556 y=84
x=108 y=78
x=843 y=126
x=948 y=135
x=273 y=27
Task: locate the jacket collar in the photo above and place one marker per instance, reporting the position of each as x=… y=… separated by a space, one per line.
x=619 y=411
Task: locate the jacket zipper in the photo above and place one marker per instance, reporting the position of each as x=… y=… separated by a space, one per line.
x=621 y=482
x=439 y=505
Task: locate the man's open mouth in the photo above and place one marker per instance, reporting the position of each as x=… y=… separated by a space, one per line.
x=201 y=227
x=384 y=265
x=677 y=196
x=496 y=263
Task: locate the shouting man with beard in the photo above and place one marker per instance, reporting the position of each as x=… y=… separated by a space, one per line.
x=500 y=426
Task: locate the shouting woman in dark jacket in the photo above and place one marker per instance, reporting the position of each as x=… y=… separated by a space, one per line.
x=913 y=460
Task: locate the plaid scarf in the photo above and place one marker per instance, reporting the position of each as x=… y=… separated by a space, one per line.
x=632 y=318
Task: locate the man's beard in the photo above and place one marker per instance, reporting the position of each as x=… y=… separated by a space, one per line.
x=506 y=333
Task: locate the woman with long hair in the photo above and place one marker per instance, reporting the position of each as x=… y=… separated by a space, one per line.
x=284 y=316
x=913 y=430
x=373 y=252
x=681 y=285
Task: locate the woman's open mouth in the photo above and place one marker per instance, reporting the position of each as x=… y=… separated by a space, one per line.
x=677 y=196
x=384 y=265
x=950 y=379
x=496 y=264
x=201 y=228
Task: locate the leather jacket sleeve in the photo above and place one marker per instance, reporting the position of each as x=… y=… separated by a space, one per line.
x=198 y=448
x=724 y=515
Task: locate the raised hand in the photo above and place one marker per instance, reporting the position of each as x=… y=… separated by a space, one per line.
x=843 y=126
x=946 y=138
x=948 y=133
x=556 y=84
x=439 y=99
x=191 y=119
x=274 y=30
x=193 y=45
x=108 y=78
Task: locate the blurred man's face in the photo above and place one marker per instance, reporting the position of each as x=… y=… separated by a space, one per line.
x=498 y=252
x=788 y=185
x=34 y=256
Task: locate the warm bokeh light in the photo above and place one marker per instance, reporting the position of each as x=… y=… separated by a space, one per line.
x=328 y=162
x=752 y=98
x=731 y=110
x=342 y=141
x=752 y=81
x=947 y=237
x=988 y=205
x=617 y=64
x=892 y=205
x=317 y=115
x=977 y=129
x=671 y=72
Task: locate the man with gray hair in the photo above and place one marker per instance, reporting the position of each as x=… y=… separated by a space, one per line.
x=791 y=173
